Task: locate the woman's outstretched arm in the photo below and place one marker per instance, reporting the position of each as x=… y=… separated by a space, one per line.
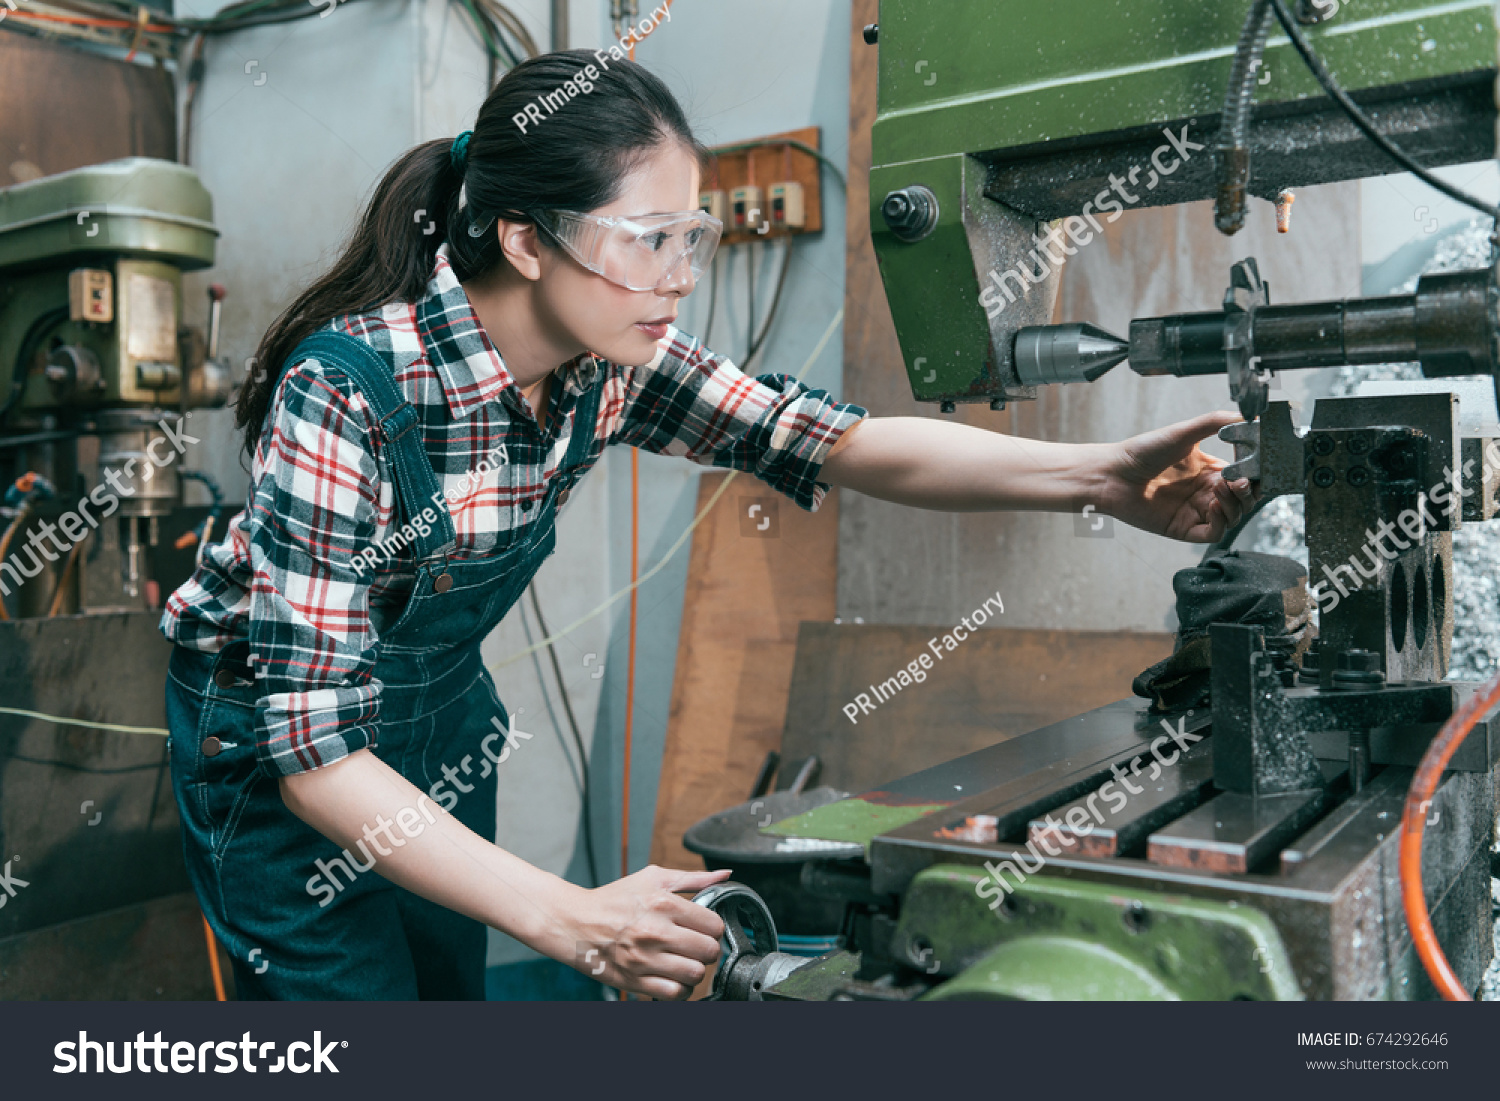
x=1159 y=481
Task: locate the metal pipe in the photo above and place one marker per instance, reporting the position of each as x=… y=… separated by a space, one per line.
x=1447 y=326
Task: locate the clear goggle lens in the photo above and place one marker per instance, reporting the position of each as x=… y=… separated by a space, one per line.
x=642 y=253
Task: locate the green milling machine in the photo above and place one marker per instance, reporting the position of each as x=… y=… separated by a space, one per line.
x=1262 y=860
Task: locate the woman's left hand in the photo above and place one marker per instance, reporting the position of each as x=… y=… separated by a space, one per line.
x=1161 y=482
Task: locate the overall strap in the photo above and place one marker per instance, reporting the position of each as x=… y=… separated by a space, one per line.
x=397 y=422
x=585 y=417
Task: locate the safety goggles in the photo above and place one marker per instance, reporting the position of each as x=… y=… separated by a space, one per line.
x=641 y=253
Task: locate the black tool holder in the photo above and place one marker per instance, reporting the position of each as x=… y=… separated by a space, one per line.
x=1382 y=478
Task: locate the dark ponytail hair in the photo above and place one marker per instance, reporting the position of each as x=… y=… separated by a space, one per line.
x=575 y=159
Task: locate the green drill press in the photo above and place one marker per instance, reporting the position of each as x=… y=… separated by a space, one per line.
x=96 y=368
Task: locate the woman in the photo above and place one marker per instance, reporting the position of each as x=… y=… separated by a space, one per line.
x=503 y=312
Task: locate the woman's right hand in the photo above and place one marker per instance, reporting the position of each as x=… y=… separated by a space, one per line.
x=639 y=934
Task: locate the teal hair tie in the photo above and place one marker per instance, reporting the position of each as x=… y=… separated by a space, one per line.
x=458 y=154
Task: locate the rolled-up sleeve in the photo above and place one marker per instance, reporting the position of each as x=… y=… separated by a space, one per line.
x=314 y=506
x=691 y=402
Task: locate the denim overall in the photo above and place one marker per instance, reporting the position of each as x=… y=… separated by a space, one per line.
x=260 y=873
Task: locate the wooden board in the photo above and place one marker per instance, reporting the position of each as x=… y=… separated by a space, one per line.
x=999 y=683
x=64 y=108
x=747 y=592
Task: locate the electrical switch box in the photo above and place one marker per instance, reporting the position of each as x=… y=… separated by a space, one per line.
x=787 y=209
x=91 y=295
x=715 y=203
x=746 y=205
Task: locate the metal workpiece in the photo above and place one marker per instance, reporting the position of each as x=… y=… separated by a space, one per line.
x=1256 y=752
x=1479 y=477
x=1244 y=437
x=1380 y=507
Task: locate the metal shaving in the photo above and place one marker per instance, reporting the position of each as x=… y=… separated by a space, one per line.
x=1476 y=547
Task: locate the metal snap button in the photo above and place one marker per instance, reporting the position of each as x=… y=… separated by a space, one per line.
x=211 y=746
x=225 y=679
x=443 y=583
x=562 y=498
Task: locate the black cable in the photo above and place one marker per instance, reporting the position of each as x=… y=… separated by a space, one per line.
x=760 y=339
x=541 y=680
x=1232 y=151
x=1226 y=541
x=583 y=757
x=750 y=280
x=32 y=337
x=1361 y=120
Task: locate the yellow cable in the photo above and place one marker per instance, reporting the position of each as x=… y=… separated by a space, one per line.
x=62 y=721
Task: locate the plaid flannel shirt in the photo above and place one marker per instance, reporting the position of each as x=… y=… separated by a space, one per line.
x=320 y=494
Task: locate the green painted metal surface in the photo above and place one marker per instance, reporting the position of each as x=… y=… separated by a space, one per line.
x=1061 y=939
x=972 y=78
x=138 y=206
x=984 y=75
x=818 y=981
x=856 y=820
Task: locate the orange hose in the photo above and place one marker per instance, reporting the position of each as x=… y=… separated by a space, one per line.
x=213 y=959
x=648 y=34
x=59 y=594
x=1414 y=823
